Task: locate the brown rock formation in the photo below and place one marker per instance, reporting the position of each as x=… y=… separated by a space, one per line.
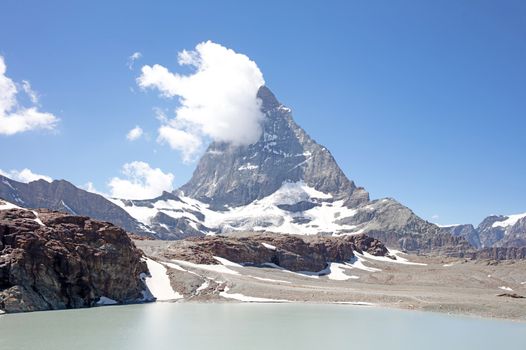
x=54 y=260
x=296 y=253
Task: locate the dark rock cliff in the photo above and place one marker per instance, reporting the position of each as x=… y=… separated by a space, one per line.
x=51 y=260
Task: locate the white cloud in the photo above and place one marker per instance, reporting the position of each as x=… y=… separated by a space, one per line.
x=141 y=182
x=131 y=60
x=185 y=142
x=24 y=175
x=134 y=133
x=33 y=95
x=217 y=101
x=90 y=187
x=15 y=118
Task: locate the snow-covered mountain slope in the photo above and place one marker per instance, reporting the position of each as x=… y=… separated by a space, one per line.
x=294 y=208
x=503 y=231
x=285 y=182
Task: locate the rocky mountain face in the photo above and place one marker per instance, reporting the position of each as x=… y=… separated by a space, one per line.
x=51 y=260
x=467 y=231
x=294 y=253
x=503 y=231
x=63 y=196
x=229 y=176
x=285 y=183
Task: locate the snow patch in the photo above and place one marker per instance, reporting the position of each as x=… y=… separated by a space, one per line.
x=510 y=221
x=8 y=184
x=244 y=298
x=357 y=303
x=395 y=253
x=337 y=272
x=248 y=166
x=301 y=274
x=268 y=246
x=202 y=287
x=106 y=301
x=227 y=262
x=357 y=263
x=68 y=208
x=159 y=282
x=506 y=288
x=37 y=218
x=8 y=205
x=213 y=268
x=5 y=205
x=269 y=280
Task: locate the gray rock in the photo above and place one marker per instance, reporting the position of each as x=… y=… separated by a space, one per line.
x=467 y=231
x=498 y=236
x=488 y=234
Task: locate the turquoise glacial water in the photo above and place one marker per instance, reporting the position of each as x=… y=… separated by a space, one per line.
x=163 y=326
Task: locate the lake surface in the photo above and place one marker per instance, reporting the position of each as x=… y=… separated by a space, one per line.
x=163 y=326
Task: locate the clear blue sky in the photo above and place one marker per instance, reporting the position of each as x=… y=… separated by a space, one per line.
x=423 y=101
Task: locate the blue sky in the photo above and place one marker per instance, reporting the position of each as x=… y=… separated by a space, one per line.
x=423 y=101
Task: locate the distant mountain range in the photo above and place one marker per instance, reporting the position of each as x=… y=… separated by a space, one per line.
x=494 y=231
x=285 y=182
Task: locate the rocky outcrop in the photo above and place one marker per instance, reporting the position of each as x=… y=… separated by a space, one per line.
x=63 y=196
x=291 y=252
x=51 y=260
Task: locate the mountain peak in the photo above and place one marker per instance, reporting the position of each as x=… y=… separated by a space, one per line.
x=269 y=101
x=228 y=176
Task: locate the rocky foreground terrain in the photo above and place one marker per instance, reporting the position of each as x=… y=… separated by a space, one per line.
x=52 y=260
x=244 y=267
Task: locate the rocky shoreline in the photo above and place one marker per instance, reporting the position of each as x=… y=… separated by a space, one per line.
x=51 y=260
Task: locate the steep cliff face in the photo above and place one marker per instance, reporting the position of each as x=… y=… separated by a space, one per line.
x=51 y=260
